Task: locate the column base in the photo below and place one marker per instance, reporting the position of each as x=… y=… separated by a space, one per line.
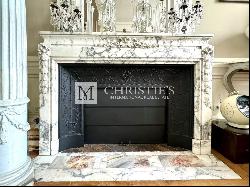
x=18 y=177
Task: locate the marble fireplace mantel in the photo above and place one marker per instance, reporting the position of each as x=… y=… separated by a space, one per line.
x=124 y=48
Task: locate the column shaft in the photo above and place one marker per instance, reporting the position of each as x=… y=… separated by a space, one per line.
x=15 y=165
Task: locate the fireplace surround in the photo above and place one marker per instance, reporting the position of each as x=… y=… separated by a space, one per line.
x=124 y=49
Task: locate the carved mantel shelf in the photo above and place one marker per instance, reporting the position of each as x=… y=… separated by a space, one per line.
x=117 y=47
x=124 y=48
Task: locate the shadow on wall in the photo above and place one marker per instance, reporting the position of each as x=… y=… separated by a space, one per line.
x=38 y=19
x=236 y=46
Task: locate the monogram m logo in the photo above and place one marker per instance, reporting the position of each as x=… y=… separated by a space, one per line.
x=86 y=93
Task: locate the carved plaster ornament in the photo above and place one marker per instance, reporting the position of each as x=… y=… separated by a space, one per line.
x=9 y=116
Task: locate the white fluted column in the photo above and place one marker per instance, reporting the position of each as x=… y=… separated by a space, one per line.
x=15 y=165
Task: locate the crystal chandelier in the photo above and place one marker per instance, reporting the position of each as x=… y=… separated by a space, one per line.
x=185 y=19
x=65 y=16
x=167 y=16
x=142 y=21
x=107 y=19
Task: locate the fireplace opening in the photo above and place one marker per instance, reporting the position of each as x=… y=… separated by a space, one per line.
x=136 y=104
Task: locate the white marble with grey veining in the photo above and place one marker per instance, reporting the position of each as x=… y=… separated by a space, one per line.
x=124 y=48
x=130 y=166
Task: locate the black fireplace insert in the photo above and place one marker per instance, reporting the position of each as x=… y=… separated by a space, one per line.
x=136 y=104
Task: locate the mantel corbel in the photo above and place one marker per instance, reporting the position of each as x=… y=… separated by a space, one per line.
x=207 y=52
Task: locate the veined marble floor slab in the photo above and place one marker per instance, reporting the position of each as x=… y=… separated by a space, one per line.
x=130 y=166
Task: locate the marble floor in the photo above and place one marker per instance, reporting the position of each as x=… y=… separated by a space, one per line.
x=130 y=166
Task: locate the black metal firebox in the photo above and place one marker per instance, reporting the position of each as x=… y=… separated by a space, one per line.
x=142 y=104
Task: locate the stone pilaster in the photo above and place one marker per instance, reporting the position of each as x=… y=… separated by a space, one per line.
x=15 y=165
x=203 y=103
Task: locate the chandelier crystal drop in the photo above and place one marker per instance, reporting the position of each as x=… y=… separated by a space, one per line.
x=142 y=22
x=185 y=19
x=107 y=18
x=66 y=16
x=167 y=16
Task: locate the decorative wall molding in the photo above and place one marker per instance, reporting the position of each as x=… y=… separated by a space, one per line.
x=33 y=66
x=228 y=61
x=221 y=65
x=33 y=79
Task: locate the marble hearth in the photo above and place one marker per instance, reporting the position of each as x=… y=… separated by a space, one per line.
x=99 y=48
x=130 y=166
